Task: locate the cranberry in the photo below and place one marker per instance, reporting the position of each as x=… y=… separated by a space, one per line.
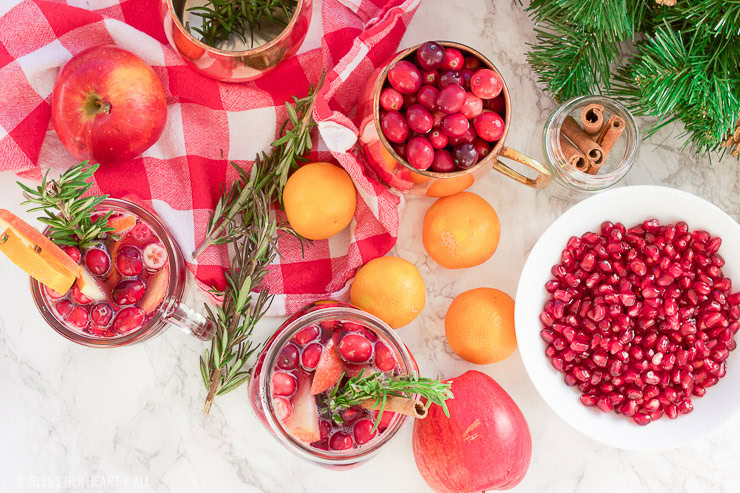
x=467 y=138
x=419 y=118
x=438 y=116
x=355 y=348
x=443 y=162
x=385 y=420
x=390 y=99
x=283 y=407
x=128 y=292
x=79 y=297
x=363 y=431
x=128 y=319
x=438 y=139
x=73 y=253
x=141 y=232
x=489 y=126
x=55 y=295
x=419 y=152
x=351 y=414
x=455 y=125
x=427 y=97
x=101 y=314
x=288 y=358
x=394 y=127
x=430 y=77
x=481 y=147
x=453 y=59
x=340 y=441
x=465 y=156
x=430 y=55
x=486 y=84
x=400 y=149
x=466 y=75
x=409 y=100
x=472 y=107
x=129 y=261
x=79 y=317
x=325 y=428
x=497 y=104
x=405 y=77
x=64 y=308
x=311 y=355
x=283 y=383
x=451 y=99
x=97 y=261
x=471 y=62
x=450 y=77
x=304 y=336
x=384 y=359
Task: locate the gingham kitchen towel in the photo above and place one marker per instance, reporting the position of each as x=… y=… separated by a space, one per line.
x=210 y=123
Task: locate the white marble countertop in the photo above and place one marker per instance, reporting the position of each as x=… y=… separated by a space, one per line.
x=130 y=420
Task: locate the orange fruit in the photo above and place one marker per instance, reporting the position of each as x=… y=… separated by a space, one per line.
x=461 y=230
x=33 y=252
x=319 y=200
x=390 y=288
x=443 y=187
x=479 y=326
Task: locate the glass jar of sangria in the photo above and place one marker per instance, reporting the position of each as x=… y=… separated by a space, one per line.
x=313 y=354
x=131 y=288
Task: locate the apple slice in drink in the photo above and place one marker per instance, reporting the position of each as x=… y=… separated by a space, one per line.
x=303 y=422
x=90 y=287
x=329 y=369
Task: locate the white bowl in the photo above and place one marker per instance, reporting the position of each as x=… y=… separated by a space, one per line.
x=629 y=205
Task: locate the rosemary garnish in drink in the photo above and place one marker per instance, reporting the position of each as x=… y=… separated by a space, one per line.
x=224 y=18
x=379 y=386
x=242 y=219
x=68 y=213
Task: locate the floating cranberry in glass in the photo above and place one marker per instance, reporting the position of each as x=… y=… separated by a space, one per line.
x=430 y=55
x=129 y=261
x=450 y=99
x=455 y=125
x=79 y=317
x=442 y=162
x=128 y=319
x=355 y=348
x=419 y=152
x=419 y=119
x=395 y=127
x=101 y=314
x=438 y=139
x=73 y=253
x=453 y=59
x=390 y=99
x=472 y=106
x=450 y=77
x=405 y=77
x=489 y=126
x=128 y=292
x=486 y=83
x=97 y=261
x=427 y=97
x=465 y=156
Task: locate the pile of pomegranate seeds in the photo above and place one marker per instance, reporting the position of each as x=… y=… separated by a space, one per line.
x=641 y=320
x=441 y=109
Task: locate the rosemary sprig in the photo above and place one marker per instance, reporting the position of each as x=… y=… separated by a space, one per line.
x=68 y=213
x=269 y=173
x=224 y=18
x=242 y=219
x=379 y=386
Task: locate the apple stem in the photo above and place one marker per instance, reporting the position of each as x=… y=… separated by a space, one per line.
x=104 y=105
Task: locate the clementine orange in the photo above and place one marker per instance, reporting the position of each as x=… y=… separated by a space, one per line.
x=461 y=230
x=390 y=288
x=479 y=326
x=320 y=200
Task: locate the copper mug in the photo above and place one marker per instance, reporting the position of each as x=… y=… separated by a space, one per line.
x=234 y=66
x=398 y=173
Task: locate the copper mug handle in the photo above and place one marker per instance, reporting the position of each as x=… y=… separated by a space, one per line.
x=543 y=175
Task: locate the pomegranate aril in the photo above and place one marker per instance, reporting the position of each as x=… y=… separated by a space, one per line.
x=642 y=419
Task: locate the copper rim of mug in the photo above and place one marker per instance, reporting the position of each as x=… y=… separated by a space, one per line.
x=491 y=157
x=158 y=321
x=287 y=30
x=329 y=457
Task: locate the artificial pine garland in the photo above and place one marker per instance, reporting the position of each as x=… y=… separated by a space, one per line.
x=684 y=61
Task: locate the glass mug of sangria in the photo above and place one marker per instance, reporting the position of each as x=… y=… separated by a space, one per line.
x=131 y=288
x=306 y=362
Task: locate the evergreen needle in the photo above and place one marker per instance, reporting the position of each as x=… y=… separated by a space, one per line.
x=68 y=212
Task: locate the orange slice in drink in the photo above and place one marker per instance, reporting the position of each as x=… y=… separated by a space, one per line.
x=36 y=254
x=122 y=223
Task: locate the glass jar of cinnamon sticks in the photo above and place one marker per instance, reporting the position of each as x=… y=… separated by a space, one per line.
x=590 y=144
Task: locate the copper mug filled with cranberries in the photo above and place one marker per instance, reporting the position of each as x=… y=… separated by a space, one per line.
x=434 y=119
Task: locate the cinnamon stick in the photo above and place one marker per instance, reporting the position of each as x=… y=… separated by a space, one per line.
x=409 y=407
x=573 y=156
x=592 y=118
x=610 y=134
x=582 y=141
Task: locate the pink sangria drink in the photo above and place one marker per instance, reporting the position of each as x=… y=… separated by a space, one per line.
x=312 y=355
x=132 y=281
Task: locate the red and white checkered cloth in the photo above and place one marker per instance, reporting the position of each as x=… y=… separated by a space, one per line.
x=210 y=123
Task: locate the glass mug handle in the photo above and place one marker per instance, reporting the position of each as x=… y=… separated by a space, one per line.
x=192 y=322
x=543 y=175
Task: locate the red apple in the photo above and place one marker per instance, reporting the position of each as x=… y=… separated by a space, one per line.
x=108 y=105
